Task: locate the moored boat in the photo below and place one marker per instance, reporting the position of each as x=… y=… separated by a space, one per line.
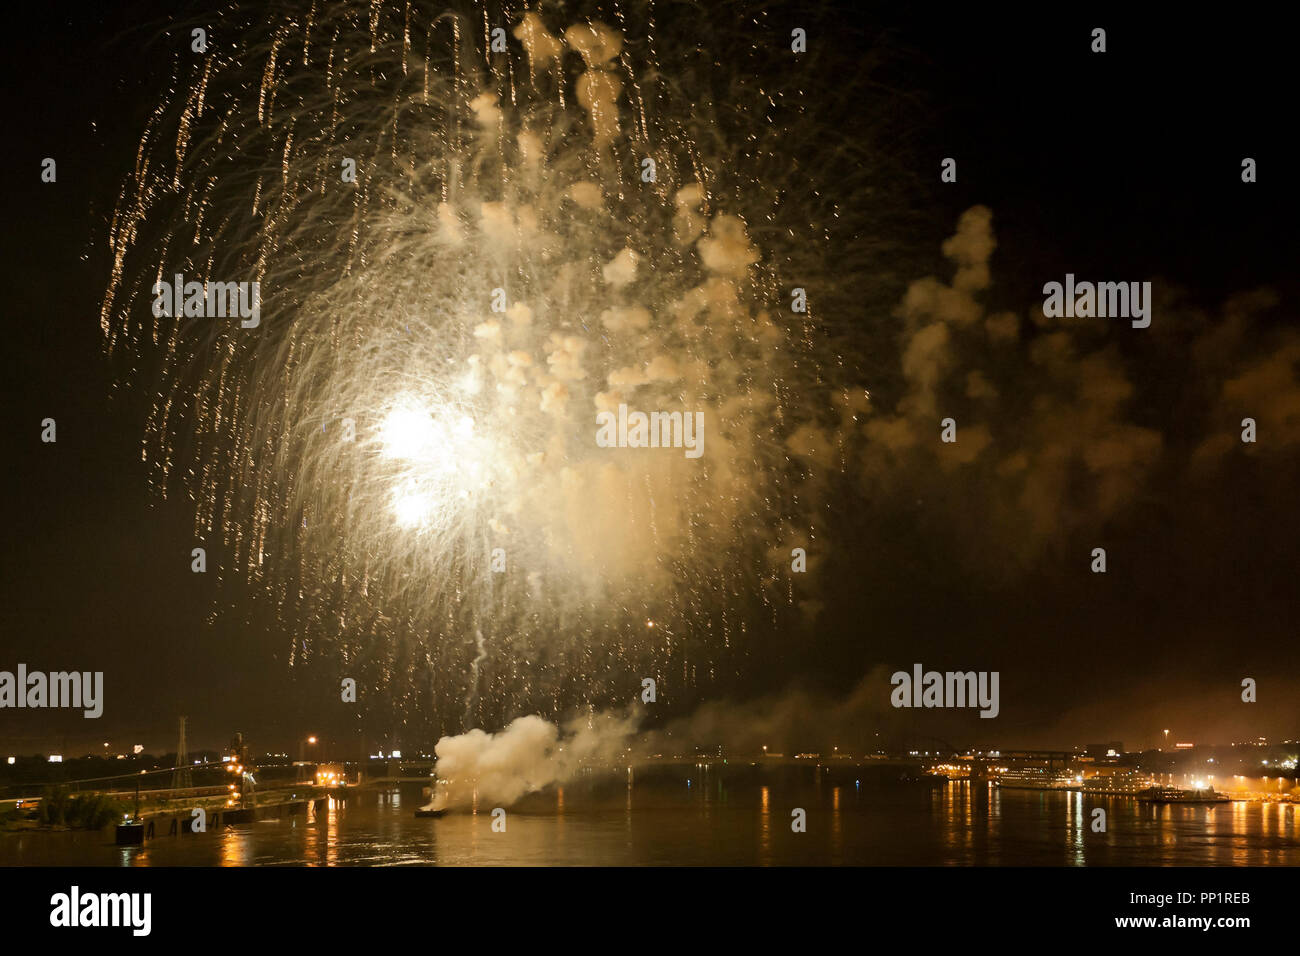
x=1116 y=783
x=1175 y=795
x=1033 y=778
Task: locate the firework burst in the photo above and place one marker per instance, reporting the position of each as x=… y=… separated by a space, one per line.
x=401 y=457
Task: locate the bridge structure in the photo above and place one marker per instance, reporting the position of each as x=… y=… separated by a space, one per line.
x=421 y=769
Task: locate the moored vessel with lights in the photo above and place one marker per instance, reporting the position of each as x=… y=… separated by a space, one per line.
x=1161 y=794
x=1034 y=778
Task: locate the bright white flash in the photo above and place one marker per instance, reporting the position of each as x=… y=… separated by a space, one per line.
x=440 y=458
x=412 y=507
x=408 y=432
x=413 y=432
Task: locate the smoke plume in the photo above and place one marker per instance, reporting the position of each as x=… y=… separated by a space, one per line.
x=529 y=755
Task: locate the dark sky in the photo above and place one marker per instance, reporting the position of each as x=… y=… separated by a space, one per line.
x=1124 y=165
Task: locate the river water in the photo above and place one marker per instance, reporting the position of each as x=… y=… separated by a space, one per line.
x=718 y=823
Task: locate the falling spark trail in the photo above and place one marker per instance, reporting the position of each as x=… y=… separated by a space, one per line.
x=472 y=697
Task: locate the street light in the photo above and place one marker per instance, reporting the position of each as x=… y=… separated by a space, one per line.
x=302 y=757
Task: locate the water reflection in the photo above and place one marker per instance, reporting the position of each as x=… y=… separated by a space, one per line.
x=719 y=820
x=1076 y=821
x=837 y=828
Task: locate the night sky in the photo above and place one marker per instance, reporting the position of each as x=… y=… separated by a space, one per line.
x=1122 y=166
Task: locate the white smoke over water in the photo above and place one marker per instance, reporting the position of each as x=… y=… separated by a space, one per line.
x=484 y=769
x=528 y=755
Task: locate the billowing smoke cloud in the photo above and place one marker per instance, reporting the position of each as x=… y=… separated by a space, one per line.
x=1055 y=423
x=529 y=755
x=1035 y=408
